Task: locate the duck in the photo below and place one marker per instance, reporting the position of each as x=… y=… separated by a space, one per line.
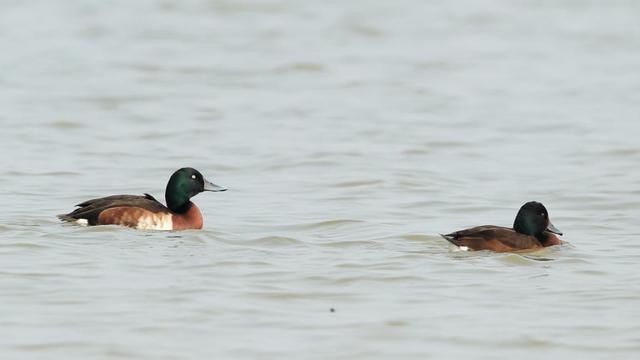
x=531 y=230
x=145 y=212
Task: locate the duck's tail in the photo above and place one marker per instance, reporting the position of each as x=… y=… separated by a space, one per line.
x=452 y=238
x=66 y=217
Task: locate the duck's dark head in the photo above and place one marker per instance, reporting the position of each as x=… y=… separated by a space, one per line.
x=533 y=219
x=184 y=184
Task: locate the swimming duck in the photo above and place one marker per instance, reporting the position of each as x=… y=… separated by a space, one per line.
x=531 y=230
x=145 y=212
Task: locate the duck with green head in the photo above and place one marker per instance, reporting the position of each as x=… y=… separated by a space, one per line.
x=532 y=229
x=145 y=212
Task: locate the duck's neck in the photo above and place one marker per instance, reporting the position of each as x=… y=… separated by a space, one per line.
x=177 y=201
x=549 y=239
x=180 y=208
x=190 y=219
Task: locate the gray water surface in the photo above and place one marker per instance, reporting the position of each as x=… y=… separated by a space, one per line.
x=349 y=134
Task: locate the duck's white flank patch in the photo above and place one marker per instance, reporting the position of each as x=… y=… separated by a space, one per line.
x=83 y=222
x=458 y=248
x=155 y=222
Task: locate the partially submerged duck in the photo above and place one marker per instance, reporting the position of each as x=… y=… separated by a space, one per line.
x=145 y=212
x=531 y=230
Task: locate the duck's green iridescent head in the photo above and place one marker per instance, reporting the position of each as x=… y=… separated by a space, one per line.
x=533 y=219
x=184 y=184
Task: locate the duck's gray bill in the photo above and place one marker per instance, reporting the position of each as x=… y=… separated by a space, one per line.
x=209 y=186
x=553 y=229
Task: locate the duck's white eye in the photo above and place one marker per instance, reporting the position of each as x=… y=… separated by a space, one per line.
x=193 y=176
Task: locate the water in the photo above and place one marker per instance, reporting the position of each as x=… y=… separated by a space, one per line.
x=349 y=135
